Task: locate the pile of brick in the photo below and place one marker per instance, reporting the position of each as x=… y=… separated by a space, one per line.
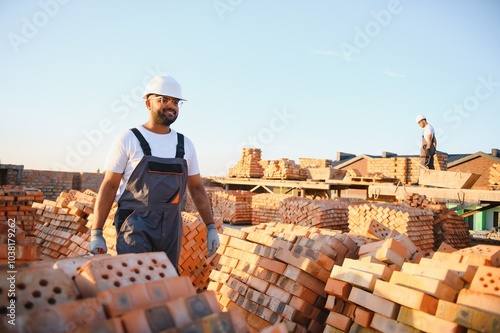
x=190 y=207
x=15 y=204
x=193 y=261
x=390 y=167
x=126 y=293
x=448 y=293
x=321 y=213
x=276 y=273
x=233 y=206
x=449 y=227
x=62 y=224
x=494 y=177
x=249 y=165
x=417 y=223
x=265 y=207
x=314 y=162
x=284 y=169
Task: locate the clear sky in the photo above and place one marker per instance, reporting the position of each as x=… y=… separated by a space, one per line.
x=294 y=78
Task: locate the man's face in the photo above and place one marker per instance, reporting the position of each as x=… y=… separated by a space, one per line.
x=164 y=109
x=421 y=123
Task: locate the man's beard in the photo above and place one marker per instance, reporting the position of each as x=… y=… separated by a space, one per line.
x=160 y=118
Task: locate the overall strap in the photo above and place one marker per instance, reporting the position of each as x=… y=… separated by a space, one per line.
x=144 y=144
x=179 y=153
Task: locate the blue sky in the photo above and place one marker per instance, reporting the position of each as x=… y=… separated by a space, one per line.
x=294 y=78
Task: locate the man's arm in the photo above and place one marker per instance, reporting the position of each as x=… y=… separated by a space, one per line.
x=105 y=198
x=200 y=198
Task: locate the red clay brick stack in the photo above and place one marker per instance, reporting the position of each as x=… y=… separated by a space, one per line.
x=314 y=163
x=321 y=213
x=448 y=293
x=126 y=293
x=249 y=165
x=15 y=204
x=276 y=273
x=418 y=224
x=449 y=227
x=284 y=169
x=234 y=206
x=265 y=207
x=494 y=177
x=193 y=261
x=190 y=207
x=62 y=230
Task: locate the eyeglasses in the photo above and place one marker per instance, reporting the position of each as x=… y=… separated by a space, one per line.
x=165 y=99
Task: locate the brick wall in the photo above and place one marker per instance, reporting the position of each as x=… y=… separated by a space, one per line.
x=52 y=183
x=480 y=165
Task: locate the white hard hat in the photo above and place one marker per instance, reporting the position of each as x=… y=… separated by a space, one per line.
x=420 y=117
x=165 y=86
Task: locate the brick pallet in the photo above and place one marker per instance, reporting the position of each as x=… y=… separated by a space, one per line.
x=418 y=224
x=321 y=213
x=233 y=206
x=314 y=163
x=15 y=204
x=284 y=169
x=442 y=294
x=249 y=165
x=275 y=273
x=448 y=226
x=265 y=207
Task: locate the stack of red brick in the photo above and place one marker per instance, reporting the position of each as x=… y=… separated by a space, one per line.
x=249 y=165
x=284 y=169
x=16 y=204
x=454 y=291
x=276 y=273
x=233 y=206
x=418 y=224
x=265 y=207
x=448 y=226
x=115 y=294
x=62 y=224
x=17 y=223
x=321 y=213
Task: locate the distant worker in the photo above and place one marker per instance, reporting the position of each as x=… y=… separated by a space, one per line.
x=147 y=170
x=429 y=143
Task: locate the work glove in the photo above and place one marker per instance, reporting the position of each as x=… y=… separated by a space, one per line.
x=428 y=152
x=97 y=242
x=213 y=241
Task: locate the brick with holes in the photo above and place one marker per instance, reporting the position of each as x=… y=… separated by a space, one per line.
x=117 y=271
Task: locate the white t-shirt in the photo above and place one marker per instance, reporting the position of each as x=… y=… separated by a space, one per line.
x=126 y=153
x=428 y=129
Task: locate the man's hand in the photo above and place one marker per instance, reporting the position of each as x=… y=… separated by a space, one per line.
x=97 y=242
x=213 y=241
x=428 y=152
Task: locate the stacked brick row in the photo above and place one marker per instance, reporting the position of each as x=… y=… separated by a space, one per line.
x=126 y=293
x=61 y=230
x=190 y=207
x=321 y=213
x=233 y=206
x=418 y=224
x=494 y=177
x=284 y=169
x=390 y=167
x=249 y=165
x=448 y=293
x=265 y=207
x=314 y=163
x=15 y=204
x=276 y=273
x=193 y=261
x=449 y=227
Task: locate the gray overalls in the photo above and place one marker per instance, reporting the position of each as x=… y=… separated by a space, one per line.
x=428 y=161
x=149 y=216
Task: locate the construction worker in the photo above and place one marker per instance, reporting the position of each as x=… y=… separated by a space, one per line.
x=429 y=143
x=147 y=170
